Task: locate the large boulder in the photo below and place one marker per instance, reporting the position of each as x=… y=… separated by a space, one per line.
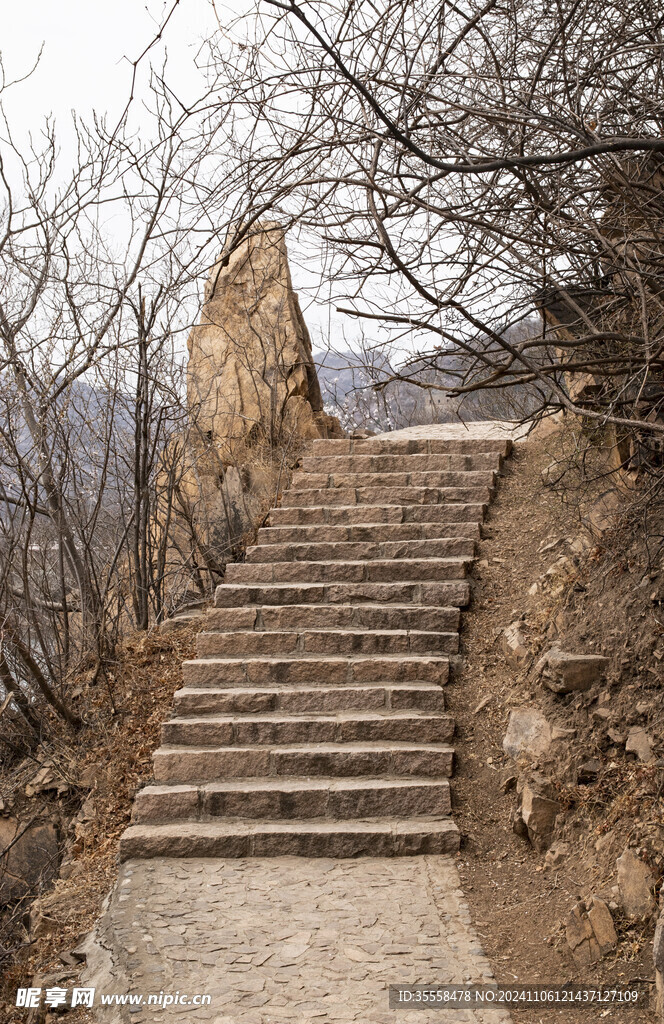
x=28 y=857
x=251 y=374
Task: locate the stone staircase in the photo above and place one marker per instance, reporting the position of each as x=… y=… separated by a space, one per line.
x=313 y=720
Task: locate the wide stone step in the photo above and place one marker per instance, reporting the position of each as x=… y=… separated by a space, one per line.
x=410 y=446
x=478 y=478
x=327 y=497
x=334 y=616
x=452 y=593
x=393 y=760
x=344 y=727
x=342 y=551
x=401 y=463
x=315 y=671
x=378 y=571
x=298 y=700
x=279 y=799
x=377 y=837
x=325 y=641
x=366 y=532
x=351 y=515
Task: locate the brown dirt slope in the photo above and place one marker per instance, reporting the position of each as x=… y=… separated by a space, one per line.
x=590 y=598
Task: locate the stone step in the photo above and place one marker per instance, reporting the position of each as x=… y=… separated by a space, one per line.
x=366 y=532
x=402 y=463
x=352 y=515
x=452 y=593
x=334 y=616
x=378 y=571
x=308 y=480
x=347 y=551
x=325 y=641
x=284 y=799
x=328 y=497
x=343 y=727
x=375 y=837
x=315 y=671
x=394 y=760
x=410 y=446
x=298 y=700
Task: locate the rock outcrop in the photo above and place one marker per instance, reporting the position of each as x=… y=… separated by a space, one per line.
x=253 y=398
x=251 y=374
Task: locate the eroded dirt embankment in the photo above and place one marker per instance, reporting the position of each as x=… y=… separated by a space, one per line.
x=597 y=598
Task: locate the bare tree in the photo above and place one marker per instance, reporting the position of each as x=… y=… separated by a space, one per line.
x=461 y=171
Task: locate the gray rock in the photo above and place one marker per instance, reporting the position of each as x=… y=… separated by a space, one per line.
x=635 y=882
x=563 y=672
x=528 y=734
x=638 y=742
x=539 y=809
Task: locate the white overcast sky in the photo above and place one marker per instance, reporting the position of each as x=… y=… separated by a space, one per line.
x=86 y=44
x=87 y=49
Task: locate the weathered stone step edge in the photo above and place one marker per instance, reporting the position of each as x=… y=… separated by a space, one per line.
x=335 y=642
x=411 y=446
x=414 y=462
x=403 y=570
x=313 y=670
x=345 y=551
x=391 y=759
x=303 y=700
x=268 y=729
x=334 y=799
x=333 y=616
x=377 y=837
x=383 y=532
x=410 y=478
x=454 y=593
x=387 y=511
x=334 y=497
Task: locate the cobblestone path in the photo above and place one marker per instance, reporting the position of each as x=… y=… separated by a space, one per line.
x=298 y=940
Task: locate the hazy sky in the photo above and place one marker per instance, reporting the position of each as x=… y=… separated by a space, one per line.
x=87 y=49
x=86 y=43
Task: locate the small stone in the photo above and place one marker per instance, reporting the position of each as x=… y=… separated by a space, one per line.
x=556 y=854
x=509 y=783
x=635 y=883
x=638 y=742
x=514 y=645
x=588 y=772
x=558 y=733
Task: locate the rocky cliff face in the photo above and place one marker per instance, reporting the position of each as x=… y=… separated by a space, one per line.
x=251 y=375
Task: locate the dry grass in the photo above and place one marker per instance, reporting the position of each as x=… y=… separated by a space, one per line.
x=116 y=749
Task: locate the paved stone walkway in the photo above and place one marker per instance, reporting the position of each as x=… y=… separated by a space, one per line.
x=287 y=939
